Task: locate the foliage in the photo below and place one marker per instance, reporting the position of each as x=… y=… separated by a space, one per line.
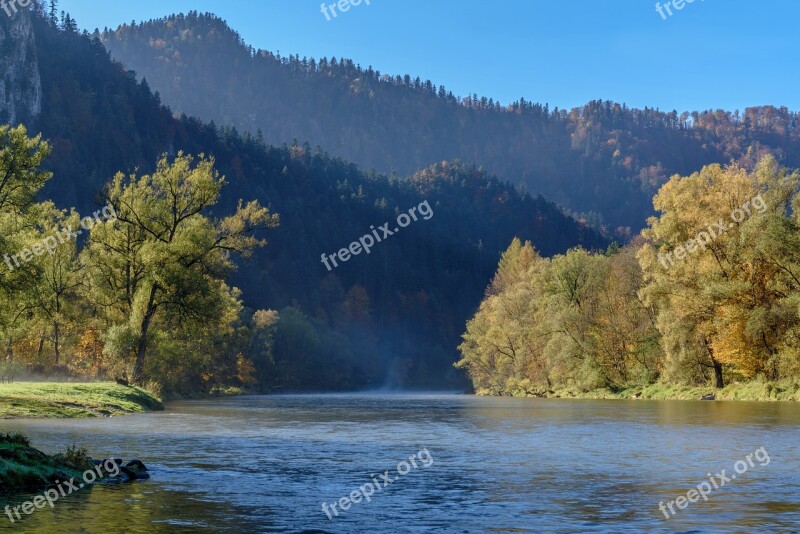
x=15 y=438
x=726 y=310
x=159 y=265
x=76 y=456
x=400 y=308
x=733 y=303
x=574 y=319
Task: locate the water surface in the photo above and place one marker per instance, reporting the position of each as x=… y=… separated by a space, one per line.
x=266 y=464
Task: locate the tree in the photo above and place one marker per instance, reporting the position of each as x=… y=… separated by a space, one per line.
x=20 y=175
x=21 y=178
x=730 y=279
x=574 y=320
x=53 y=16
x=298 y=344
x=56 y=293
x=161 y=261
x=258 y=348
x=503 y=348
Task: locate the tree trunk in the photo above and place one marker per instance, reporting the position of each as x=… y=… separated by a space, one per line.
x=718 y=382
x=141 y=349
x=57 y=329
x=56 y=340
x=773 y=368
x=718 y=374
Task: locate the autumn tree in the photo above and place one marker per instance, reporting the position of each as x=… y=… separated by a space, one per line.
x=501 y=349
x=720 y=267
x=574 y=320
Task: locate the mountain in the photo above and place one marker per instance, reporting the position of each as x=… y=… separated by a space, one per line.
x=603 y=161
x=393 y=317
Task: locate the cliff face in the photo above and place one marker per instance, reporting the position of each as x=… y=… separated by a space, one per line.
x=21 y=87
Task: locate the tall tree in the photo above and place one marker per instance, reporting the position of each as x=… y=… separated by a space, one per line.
x=21 y=178
x=162 y=260
x=55 y=297
x=708 y=271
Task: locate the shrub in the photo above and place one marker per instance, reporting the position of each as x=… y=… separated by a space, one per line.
x=77 y=456
x=16 y=439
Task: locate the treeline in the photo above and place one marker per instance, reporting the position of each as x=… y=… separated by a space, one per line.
x=392 y=318
x=602 y=161
x=709 y=294
x=142 y=293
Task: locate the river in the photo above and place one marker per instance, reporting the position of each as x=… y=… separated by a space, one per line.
x=267 y=464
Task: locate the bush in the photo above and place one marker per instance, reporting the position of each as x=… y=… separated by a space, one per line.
x=15 y=439
x=76 y=456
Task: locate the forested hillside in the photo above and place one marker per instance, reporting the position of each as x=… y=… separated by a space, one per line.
x=391 y=318
x=603 y=161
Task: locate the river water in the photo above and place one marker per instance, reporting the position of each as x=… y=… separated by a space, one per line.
x=267 y=464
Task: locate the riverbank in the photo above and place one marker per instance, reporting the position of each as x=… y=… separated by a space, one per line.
x=785 y=390
x=73 y=400
x=23 y=468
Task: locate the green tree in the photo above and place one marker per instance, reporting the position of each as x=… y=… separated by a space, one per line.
x=21 y=178
x=575 y=320
x=259 y=346
x=56 y=296
x=162 y=260
x=503 y=346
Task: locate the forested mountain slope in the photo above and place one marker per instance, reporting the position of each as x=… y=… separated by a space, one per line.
x=604 y=161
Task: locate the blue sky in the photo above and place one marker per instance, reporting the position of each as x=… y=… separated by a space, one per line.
x=727 y=54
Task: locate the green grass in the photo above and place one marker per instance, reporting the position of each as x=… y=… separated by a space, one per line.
x=784 y=390
x=23 y=468
x=67 y=400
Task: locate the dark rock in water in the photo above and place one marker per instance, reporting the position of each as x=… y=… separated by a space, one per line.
x=136 y=470
x=710 y=396
x=130 y=471
x=136 y=464
x=134 y=474
x=123 y=476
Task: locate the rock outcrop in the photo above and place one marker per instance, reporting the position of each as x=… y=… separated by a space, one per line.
x=21 y=87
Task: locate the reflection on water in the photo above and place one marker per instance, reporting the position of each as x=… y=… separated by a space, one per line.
x=266 y=464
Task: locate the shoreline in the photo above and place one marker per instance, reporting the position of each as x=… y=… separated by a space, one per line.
x=73 y=400
x=67 y=400
x=781 y=391
x=26 y=470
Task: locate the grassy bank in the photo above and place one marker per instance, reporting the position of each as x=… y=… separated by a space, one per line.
x=23 y=468
x=785 y=390
x=67 y=400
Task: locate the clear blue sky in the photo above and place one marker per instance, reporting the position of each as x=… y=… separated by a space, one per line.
x=726 y=54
